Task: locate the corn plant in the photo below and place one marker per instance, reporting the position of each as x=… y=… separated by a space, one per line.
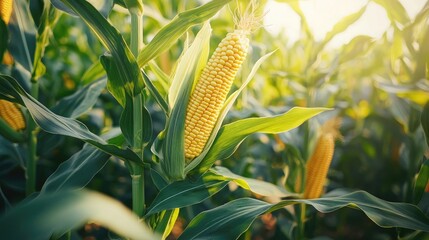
x=172 y=124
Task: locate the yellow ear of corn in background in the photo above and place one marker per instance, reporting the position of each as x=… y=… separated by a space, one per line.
x=318 y=165
x=5 y=13
x=12 y=115
x=214 y=83
x=6 y=10
x=9 y=112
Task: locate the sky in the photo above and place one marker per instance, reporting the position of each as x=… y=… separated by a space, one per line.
x=323 y=14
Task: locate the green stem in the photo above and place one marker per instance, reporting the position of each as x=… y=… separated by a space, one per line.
x=138 y=192
x=136 y=34
x=137 y=171
x=32 y=146
x=301 y=221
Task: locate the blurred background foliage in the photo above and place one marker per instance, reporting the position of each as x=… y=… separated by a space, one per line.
x=377 y=86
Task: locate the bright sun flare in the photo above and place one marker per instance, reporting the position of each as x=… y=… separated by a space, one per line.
x=323 y=14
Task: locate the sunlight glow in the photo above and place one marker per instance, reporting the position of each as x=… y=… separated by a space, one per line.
x=322 y=16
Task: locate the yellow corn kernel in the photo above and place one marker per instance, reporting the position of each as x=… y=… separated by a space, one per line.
x=318 y=165
x=6 y=10
x=12 y=115
x=211 y=90
x=7 y=58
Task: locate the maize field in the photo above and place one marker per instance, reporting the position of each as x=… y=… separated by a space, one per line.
x=134 y=119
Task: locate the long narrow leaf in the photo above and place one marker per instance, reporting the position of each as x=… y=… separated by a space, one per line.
x=231 y=135
x=238 y=215
x=81 y=101
x=395 y=10
x=103 y=6
x=424 y=119
x=343 y=24
x=55 y=124
x=228 y=221
x=72 y=106
x=128 y=78
x=55 y=214
x=156 y=94
x=187 y=192
x=421 y=182
x=169 y=34
x=77 y=171
x=47 y=20
x=257 y=186
x=23 y=32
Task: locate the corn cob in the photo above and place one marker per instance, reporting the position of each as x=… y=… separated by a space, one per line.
x=318 y=164
x=214 y=83
x=5 y=13
x=211 y=90
x=6 y=10
x=11 y=114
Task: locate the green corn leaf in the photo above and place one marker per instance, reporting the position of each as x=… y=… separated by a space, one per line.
x=125 y=76
x=168 y=219
x=173 y=161
x=228 y=221
x=296 y=7
x=342 y=25
x=256 y=186
x=127 y=121
x=94 y=72
x=71 y=106
x=11 y=154
x=48 y=19
x=169 y=34
x=159 y=181
x=173 y=146
x=113 y=73
x=397 y=46
x=238 y=215
x=421 y=181
x=55 y=124
x=187 y=192
x=422 y=59
x=23 y=32
x=55 y=214
x=162 y=79
x=231 y=135
x=157 y=147
x=425 y=121
x=395 y=10
x=188 y=62
x=163 y=222
x=155 y=94
x=358 y=46
x=77 y=171
x=103 y=6
x=81 y=101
